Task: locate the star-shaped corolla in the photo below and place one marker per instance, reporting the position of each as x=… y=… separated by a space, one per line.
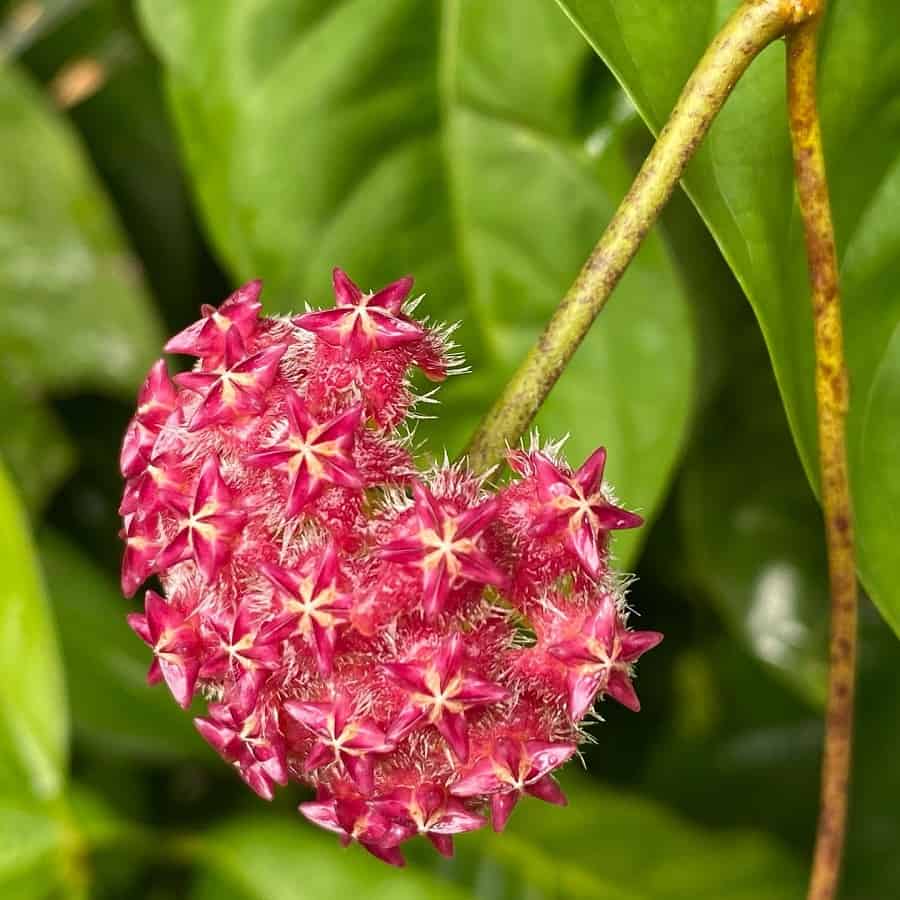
x=514 y=767
x=237 y=387
x=342 y=736
x=243 y=645
x=446 y=547
x=314 y=454
x=361 y=323
x=253 y=745
x=599 y=658
x=434 y=813
x=356 y=819
x=310 y=603
x=576 y=504
x=175 y=643
x=440 y=690
x=208 y=527
x=206 y=337
x=142 y=546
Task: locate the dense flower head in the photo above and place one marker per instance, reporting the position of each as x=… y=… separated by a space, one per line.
x=419 y=647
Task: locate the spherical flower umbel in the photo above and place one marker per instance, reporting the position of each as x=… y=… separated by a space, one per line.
x=418 y=647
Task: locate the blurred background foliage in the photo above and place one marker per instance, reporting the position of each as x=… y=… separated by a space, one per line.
x=153 y=155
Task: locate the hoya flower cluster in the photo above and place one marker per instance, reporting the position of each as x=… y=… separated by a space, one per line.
x=419 y=648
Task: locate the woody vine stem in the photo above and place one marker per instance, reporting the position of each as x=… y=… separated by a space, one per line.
x=755 y=25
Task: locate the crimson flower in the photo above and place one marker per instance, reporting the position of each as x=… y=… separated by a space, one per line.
x=376 y=649
x=240 y=735
x=600 y=657
x=142 y=547
x=237 y=387
x=361 y=323
x=357 y=819
x=440 y=691
x=208 y=527
x=577 y=505
x=341 y=736
x=310 y=603
x=206 y=337
x=313 y=454
x=434 y=813
x=514 y=767
x=242 y=646
x=175 y=644
x=445 y=547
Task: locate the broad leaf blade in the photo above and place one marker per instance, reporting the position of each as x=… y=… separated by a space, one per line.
x=614 y=846
x=72 y=309
x=445 y=140
x=284 y=859
x=741 y=182
x=33 y=713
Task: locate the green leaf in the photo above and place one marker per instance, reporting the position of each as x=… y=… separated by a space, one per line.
x=256 y=858
x=608 y=845
x=448 y=140
x=113 y=708
x=741 y=182
x=754 y=544
x=72 y=308
x=33 y=713
x=604 y=846
x=36 y=448
x=30 y=850
x=751 y=758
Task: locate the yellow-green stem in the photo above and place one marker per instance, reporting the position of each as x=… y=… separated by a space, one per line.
x=832 y=399
x=755 y=25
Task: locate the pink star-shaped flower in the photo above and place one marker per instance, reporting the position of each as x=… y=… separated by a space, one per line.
x=361 y=323
x=367 y=822
x=156 y=398
x=162 y=483
x=137 y=446
x=237 y=387
x=577 y=505
x=434 y=813
x=342 y=736
x=142 y=547
x=208 y=528
x=313 y=454
x=206 y=337
x=242 y=646
x=255 y=747
x=175 y=643
x=446 y=548
x=311 y=604
x=514 y=767
x=600 y=657
x=440 y=691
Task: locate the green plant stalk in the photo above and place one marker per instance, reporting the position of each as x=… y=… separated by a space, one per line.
x=755 y=25
x=831 y=401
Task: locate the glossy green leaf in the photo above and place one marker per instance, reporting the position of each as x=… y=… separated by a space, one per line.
x=752 y=528
x=35 y=448
x=741 y=182
x=746 y=753
x=30 y=850
x=113 y=708
x=72 y=308
x=33 y=713
x=285 y=859
x=608 y=845
x=447 y=140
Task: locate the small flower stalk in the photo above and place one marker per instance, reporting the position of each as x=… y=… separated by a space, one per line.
x=419 y=647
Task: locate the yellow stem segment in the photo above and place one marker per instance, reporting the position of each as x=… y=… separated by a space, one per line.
x=755 y=25
x=832 y=399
